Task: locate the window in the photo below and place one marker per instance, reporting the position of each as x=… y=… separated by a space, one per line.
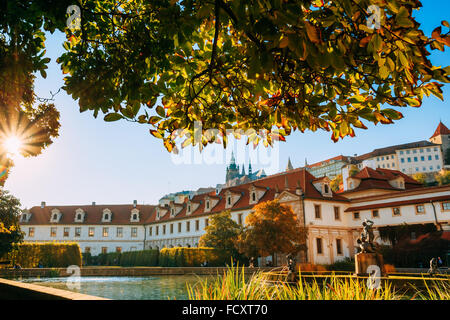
x=197 y=225
x=428 y=149
x=445 y=206
x=78 y=232
x=422 y=158
x=105 y=232
x=375 y=214
x=150 y=229
x=319 y=245
x=171 y=228
x=119 y=232
x=189 y=208
x=421 y=150
x=179 y=227
x=79 y=217
x=134 y=232
x=207 y=204
x=157 y=230
x=104 y=250
x=240 y=219
x=91 y=231
x=337 y=214
x=206 y=222
x=66 y=232
x=164 y=229
x=396 y=211
x=409 y=159
x=106 y=217
x=420 y=209
x=188 y=226
x=317 y=211
x=414 y=151
x=429 y=157
x=435 y=149
x=407 y=151
x=436 y=157
x=31 y=232
x=415 y=159
x=402 y=160
x=53 y=232
x=253 y=196
x=431 y=168
x=118 y=249
x=355 y=215
x=388 y=165
x=135 y=215
x=393 y=164
x=401 y=152
x=228 y=200
x=339 y=246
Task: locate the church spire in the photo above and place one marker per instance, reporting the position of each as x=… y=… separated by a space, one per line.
x=289 y=165
x=249 y=168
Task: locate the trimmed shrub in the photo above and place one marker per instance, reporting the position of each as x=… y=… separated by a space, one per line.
x=344 y=265
x=193 y=257
x=51 y=255
x=143 y=258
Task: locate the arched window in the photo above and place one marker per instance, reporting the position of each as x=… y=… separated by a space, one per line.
x=135 y=216
x=79 y=216
x=106 y=216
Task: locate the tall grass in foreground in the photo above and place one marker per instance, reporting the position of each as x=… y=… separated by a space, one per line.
x=436 y=291
x=233 y=285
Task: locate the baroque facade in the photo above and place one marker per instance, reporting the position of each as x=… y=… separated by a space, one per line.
x=332 y=220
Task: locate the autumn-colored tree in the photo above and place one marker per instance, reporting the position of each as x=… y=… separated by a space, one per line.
x=420 y=177
x=271 y=228
x=221 y=232
x=231 y=64
x=443 y=178
x=336 y=182
x=353 y=170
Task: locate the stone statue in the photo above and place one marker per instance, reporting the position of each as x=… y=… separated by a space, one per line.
x=291 y=268
x=368 y=231
x=433 y=266
x=364 y=245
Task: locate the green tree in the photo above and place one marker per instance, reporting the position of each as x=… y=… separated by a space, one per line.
x=443 y=178
x=272 y=228
x=297 y=65
x=221 y=232
x=10 y=233
x=336 y=182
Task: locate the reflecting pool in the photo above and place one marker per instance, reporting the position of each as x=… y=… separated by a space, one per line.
x=126 y=288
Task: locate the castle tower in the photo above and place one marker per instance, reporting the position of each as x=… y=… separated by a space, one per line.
x=232 y=169
x=442 y=136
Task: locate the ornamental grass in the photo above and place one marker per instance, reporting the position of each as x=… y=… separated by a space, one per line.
x=235 y=285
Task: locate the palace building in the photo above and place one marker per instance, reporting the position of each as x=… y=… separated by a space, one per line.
x=333 y=220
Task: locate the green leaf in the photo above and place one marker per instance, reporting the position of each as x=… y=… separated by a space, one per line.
x=112 y=117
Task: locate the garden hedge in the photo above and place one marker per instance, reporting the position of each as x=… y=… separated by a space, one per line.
x=51 y=255
x=193 y=257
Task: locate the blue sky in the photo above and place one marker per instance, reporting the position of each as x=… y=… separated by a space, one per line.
x=112 y=163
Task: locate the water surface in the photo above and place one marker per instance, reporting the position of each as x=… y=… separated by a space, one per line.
x=126 y=288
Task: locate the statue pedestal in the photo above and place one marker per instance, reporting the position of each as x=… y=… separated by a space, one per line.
x=364 y=260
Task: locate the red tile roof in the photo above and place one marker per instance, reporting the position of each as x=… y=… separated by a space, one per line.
x=441 y=129
x=379 y=179
x=93 y=214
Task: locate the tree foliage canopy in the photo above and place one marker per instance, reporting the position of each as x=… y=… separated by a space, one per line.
x=24 y=115
x=272 y=227
x=294 y=65
x=221 y=232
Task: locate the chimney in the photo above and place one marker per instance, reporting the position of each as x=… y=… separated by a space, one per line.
x=134 y=203
x=93 y=203
x=43 y=204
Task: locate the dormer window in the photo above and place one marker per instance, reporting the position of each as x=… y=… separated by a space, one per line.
x=229 y=200
x=253 y=196
x=25 y=217
x=189 y=208
x=55 y=215
x=172 y=212
x=107 y=215
x=326 y=188
x=207 y=204
x=79 y=215
x=134 y=215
